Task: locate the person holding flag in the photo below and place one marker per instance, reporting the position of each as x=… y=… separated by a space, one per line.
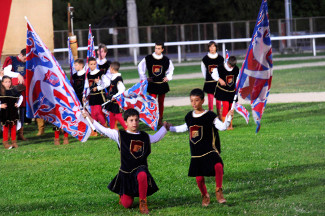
x=133 y=178
x=49 y=94
x=226 y=76
x=209 y=62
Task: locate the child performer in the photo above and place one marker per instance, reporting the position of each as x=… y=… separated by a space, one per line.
x=103 y=63
x=79 y=78
x=160 y=72
x=96 y=97
x=116 y=88
x=10 y=100
x=209 y=62
x=226 y=75
x=133 y=178
x=203 y=127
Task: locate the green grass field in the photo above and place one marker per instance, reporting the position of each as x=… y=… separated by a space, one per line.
x=279 y=171
x=284 y=81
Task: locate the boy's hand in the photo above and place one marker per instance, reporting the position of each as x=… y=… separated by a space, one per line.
x=165 y=79
x=3 y=106
x=97 y=80
x=166 y=125
x=231 y=113
x=94 y=89
x=16 y=105
x=222 y=83
x=84 y=99
x=85 y=114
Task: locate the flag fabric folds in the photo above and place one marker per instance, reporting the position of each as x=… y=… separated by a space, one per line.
x=255 y=77
x=49 y=94
x=240 y=109
x=227 y=56
x=90 y=53
x=136 y=97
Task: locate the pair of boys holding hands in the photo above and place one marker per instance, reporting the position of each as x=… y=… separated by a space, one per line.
x=134 y=178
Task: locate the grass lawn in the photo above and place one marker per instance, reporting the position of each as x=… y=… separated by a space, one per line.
x=279 y=171
x=284 y=81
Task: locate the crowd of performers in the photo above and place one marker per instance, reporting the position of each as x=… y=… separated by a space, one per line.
x=106 y=83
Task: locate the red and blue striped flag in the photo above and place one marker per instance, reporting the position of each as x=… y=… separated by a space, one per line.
x=136 y=97
x=49 y=94
x=255 y=77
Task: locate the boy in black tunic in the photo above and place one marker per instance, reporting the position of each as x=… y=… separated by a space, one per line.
x=226 y=75
x=79 y=78
x=102 y=62
x=209 y=62
x=203 y=127
x=133 y=178
x=116 y=87
x=160 y=72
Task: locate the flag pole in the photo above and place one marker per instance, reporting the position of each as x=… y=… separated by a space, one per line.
x=87 y=118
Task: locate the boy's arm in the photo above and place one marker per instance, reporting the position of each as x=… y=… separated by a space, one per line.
x=142 y=67
x=170 y=71
x=178 y=129
x=203 y=69
x=120 y=88
x=20 y=100
x=103 y=83
x=110 y=133
x=215 y=74
x=158 y=136
x=221 y=126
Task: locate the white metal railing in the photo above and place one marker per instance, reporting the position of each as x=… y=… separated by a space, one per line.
x=182 y=43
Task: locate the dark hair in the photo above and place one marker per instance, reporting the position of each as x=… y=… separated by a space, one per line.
x=130 y=112
x=197 y=92
x=115 y=65
x=91 y=59
x=102 y=46
x=212 y=43
x=23 y=52
x=160 y=44
x=232 y=61
x=79 y=61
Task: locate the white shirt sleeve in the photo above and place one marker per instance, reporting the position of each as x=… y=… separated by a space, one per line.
x=158 y=136
x=103 y=83
x=215 y=74
x=178 y=129
x=221 y=126
x=203 y=69
x=142 y=68
x=170 y=71
x=7 y=71
x=120 y=88
x=110 y=133
x=20 y=100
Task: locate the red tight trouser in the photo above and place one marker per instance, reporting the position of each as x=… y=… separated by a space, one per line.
x=226 y=107
x=116 y=116
x=5 y=132
x=161 y=99
x=127 y=200
x=97 y=114
x=210 y=102
x=219 y=175
x=57 y=134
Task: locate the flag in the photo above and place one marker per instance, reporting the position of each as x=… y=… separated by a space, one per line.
x=136 y=97
x=240 y=109
x=71 y=62
x=49 y=94
x=90 y=53
x=255 y=76
x=227 y=56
